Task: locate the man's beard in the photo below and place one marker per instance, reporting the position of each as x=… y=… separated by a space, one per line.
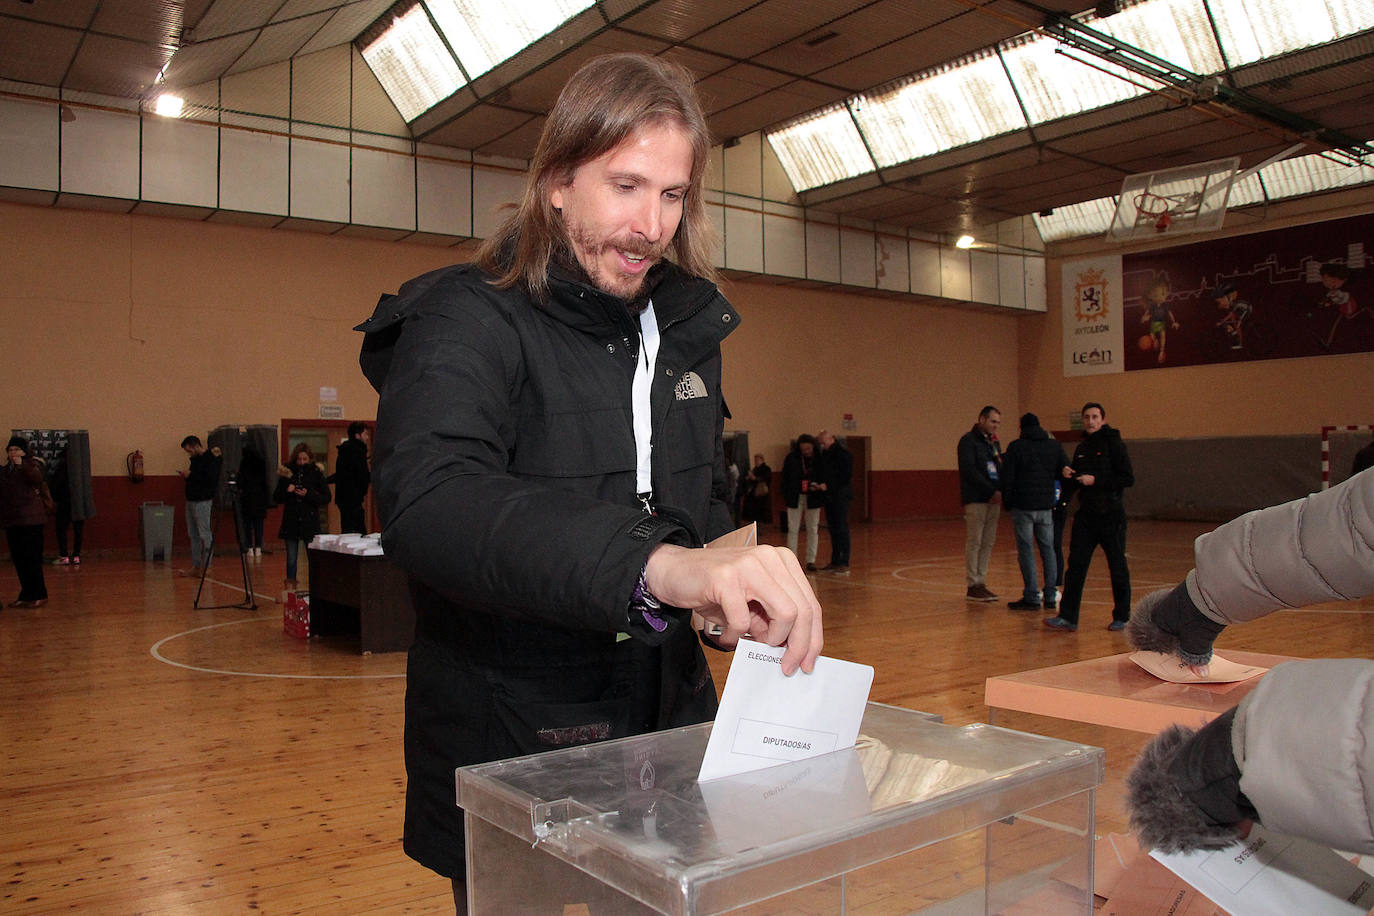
x=637 y=299
x=610 y=280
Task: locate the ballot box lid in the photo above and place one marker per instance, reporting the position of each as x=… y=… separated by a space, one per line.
x=632 y=814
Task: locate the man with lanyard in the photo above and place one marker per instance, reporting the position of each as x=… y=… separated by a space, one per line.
x=549 y=457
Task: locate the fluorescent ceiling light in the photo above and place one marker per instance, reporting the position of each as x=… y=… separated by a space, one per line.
x=965 y=241
x=411 y=62
x=168 y=105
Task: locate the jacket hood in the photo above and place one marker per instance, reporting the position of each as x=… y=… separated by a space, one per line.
x=1034 y=432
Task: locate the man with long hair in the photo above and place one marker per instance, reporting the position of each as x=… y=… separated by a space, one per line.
x=549 y=456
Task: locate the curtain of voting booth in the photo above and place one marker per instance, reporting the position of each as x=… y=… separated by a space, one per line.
x=232 y=441
x=65 y=452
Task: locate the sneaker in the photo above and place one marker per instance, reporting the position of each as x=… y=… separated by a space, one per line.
x=839 y=569
x=810 y=567
x=76 y=561
x=979 y=593
x=1023 y=605
x=62 y=561
x=1116 y=626
x=1059 y=623
x=1050 y=604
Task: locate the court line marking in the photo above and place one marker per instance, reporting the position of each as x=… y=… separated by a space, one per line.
x=156 y=652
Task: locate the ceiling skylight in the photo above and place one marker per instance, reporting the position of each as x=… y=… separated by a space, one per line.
x=1033 y=79
x=1053 y=85
x=1252 y=30
x=415 y=63
x=938 y=111
x=483 y=33
x=411 y=62
x=821 y=148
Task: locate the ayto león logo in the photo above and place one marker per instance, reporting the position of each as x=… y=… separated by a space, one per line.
x=1094 y=357
x=1090 y=296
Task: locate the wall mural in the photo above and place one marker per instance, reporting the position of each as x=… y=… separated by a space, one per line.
x=1301 y=291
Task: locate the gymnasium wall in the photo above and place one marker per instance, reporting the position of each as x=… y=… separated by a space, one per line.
x=142 y=329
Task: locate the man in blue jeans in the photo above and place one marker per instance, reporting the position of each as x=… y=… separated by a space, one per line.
x=1032 y=465
x=202 y=480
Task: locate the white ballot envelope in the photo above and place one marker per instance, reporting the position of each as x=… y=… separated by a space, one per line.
x=766 y=719
x=749 y=810
x=1271 y=874
x=1168 y=667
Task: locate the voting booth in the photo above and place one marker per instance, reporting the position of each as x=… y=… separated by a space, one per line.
x=917 y=816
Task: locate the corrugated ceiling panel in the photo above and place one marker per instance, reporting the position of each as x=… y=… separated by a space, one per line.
x=18 y=40
x=116 y=66
x=206 y=60
x=279 y=41
x=226 y=17
x=346 y=24
x=678 y=20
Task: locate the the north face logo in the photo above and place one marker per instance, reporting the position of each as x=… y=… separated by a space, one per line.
x=690 y=386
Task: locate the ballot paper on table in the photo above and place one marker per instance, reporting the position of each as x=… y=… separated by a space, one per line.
x=1168 y=667
x=1271 y=874
x=766 y=718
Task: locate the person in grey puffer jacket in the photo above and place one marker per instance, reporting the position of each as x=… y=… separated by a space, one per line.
x=1297 y=754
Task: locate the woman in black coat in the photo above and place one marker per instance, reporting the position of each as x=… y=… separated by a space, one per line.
x=301 y=491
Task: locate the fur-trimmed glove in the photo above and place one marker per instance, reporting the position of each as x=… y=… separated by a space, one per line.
x=1167 y=621
x=1184 y=791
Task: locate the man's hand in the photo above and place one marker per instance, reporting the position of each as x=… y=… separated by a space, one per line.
x=760 y=591
x=1086 y=480
x=996 y=498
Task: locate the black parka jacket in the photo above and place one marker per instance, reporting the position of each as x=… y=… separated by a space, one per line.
x=504 y=468
x=351 y=476
x=300 y=515
x=1030 y=468
x=1104 y=456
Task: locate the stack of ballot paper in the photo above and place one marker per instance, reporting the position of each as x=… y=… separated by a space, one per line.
x=363 y=545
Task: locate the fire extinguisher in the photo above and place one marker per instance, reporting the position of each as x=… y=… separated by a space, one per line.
x=134 y=462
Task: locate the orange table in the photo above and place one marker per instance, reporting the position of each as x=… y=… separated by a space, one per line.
x=1115 y=692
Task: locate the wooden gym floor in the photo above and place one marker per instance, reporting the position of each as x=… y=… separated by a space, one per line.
x=161 y=759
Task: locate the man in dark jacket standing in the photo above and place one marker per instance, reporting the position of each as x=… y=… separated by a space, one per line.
x=1102 y=469
x=1029 y=470
x=837 y=473
x=980 y=464
x=202 y=480
x=549 y=455
x=351 y=478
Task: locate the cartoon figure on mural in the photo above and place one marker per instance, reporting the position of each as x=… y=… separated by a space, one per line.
x=1156 y=313
x=1238 y=311
x=1334 y=278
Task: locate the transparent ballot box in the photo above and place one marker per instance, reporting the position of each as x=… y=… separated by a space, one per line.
x=918 y=817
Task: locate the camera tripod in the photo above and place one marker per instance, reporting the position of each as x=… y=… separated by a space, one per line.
x=250 y=600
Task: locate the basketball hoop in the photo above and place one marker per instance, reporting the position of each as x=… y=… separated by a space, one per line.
x=1177 y=201
x=1150 y=207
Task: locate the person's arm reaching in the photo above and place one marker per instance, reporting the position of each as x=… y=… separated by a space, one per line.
x=760 y=591
x=1315 y=549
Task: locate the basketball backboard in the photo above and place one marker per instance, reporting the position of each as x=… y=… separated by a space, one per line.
x=1188 y=198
